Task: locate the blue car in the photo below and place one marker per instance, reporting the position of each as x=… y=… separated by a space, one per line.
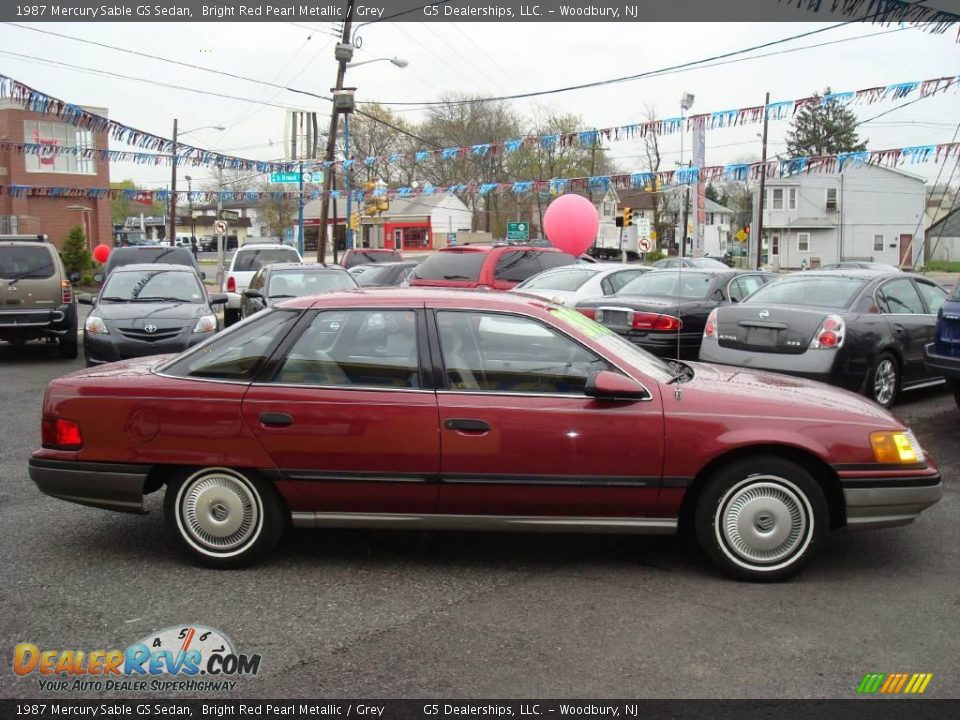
x=942 y=356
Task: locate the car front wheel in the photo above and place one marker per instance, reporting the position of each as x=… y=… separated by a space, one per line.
x=224 y=518
x=761 y=519
x=883 y=384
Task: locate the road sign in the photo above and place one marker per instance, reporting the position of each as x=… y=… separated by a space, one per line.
x=644 y=245
x=231 y=215
x=518 y=231
x=741 y=235
x=220 y=227
x=294 y=177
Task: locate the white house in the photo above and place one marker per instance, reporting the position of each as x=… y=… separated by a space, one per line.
x=865 y=213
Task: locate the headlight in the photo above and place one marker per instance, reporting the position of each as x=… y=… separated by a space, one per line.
x=208 y=323
x=897 y=447
x=96 y=326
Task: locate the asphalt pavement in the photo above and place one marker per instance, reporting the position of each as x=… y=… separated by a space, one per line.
x=424 y=614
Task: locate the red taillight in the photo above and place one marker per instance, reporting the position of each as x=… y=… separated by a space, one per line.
x=66 y=292
x=830 y=334
x=655 y=321
x=231 y=284
x=589 y=312
x=710 y=329
x=60 y=434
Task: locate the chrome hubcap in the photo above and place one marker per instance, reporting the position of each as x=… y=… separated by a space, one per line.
x=219 y=511
x=763 y=521
x=884 y=381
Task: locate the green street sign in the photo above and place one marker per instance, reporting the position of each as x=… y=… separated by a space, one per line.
x=518 y=231
x=294 y=177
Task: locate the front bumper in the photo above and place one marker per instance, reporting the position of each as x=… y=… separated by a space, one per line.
x=888 y=501
x=110 y=486
x=100 y=349
x=942 y=365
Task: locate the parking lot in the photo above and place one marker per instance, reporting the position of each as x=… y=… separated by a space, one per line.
x=360 y=613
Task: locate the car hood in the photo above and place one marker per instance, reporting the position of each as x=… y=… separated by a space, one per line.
x=150 y=311
x=739 y=391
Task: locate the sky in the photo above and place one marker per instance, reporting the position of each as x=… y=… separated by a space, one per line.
x=487 y=59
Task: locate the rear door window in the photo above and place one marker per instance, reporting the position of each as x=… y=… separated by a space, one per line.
x=933 y=295
x=899 y=297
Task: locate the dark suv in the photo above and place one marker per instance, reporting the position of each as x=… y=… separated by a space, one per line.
x=36 y=298
x=942 y=356
x=497 y=267
x=140 y=254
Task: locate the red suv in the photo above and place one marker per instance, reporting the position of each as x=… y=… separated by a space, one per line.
x=499 y=267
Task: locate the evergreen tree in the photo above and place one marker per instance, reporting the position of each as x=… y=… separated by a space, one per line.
x=823 y=130
x=75 y=254
x=711 y=193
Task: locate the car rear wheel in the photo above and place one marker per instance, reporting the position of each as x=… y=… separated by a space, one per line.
x=883 y=383
x=761 y=518
x=224 y=518
x=956 y=394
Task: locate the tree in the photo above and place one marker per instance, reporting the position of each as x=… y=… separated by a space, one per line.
x=820 y=129
x=121 y=208
x=75 y=254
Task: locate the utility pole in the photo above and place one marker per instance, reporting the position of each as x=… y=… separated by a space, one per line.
x=300 y=213
x=172 y=235
x=758 y=230
x=347 y=186
x=221 y=240
x=332 y=135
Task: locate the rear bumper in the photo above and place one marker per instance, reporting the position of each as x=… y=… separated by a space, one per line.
x=664 y=344
x=826 y=366
x=888 y=502
x=942 y=365
x=110 y=486
x=52 y=321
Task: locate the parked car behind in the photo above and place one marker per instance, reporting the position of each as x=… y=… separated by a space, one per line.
x=145 y=254
x=282 y=281
x=36 y=297
x=689 y=262
x=859 y=329
x=147 y=309
x=859 y=265
x=244 y=265
x=472 y=410
x=664 y=311
x=384 y=274
x=365 y=256
x=942 y=356
x=494 y=267
x=571 y=284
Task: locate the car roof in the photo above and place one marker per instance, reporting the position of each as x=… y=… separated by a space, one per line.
x=392 y=263
x=273 y=267
x=132 y=267
x=261 y=246
x=488 y=247
x=404 y=297
x=372 y=250
x=858 y=273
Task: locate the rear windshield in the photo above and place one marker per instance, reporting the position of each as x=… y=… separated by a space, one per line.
x=25 y=263
x=362 y=257
x=136 y=255
x=568 y=280
x=294 y=283
x=451 y=266
x=255 y=258
x=809 y=291
x=660 y=283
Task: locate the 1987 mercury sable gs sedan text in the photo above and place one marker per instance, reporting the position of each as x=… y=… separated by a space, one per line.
x=407 y=408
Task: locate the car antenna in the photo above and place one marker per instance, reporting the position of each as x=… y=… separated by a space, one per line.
x=677 y=392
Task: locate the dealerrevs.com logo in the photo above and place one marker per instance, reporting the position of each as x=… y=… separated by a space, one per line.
x=178 y=659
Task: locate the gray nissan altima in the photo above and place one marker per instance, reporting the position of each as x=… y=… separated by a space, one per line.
x=148 y=309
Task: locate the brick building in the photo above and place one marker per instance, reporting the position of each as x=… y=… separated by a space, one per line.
x=53 y=216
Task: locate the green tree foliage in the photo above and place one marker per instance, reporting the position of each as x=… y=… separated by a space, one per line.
x=823 y=130
x=75 y=254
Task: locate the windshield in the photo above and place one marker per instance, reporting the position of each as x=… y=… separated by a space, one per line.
x=672 y=284
x=451 y=266
x=294 y=283
x=809 y=291
x=253 y=259
x=569 y=280
x=643 y=361
x=25 y=263
x=153 y=286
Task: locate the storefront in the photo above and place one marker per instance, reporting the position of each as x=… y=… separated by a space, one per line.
x=408 y=235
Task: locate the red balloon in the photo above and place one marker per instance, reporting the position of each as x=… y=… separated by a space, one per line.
x=101 y=253
x=571 y=223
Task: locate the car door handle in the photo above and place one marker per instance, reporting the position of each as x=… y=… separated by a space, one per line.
x=467 y=425
x=273 y=419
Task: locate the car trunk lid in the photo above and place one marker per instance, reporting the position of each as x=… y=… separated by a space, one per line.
x=769 y=329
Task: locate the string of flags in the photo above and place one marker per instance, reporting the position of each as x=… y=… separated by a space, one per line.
x=159 y=150
x=890 y=158
x=886 y=12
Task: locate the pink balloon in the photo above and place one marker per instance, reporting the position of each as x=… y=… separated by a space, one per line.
x=101 y=253
x=571 y=223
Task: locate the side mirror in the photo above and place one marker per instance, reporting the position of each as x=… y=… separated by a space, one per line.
x=218 y=299
x=203 y=275
x=85 y=299
x=253 y=294
x=98 y=277
x=608 y=385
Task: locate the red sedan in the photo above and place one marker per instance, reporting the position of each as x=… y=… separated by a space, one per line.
x=405 y=408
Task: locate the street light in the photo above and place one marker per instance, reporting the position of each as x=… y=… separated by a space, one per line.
x=686 y=102
x=173 y=175
x=399 y=62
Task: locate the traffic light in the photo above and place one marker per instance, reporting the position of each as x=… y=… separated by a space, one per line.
x=355 y=221
x=383 y=204
x=370 y=207
x=627 y=217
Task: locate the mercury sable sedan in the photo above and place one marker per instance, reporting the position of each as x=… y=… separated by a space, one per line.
x=405 y=408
